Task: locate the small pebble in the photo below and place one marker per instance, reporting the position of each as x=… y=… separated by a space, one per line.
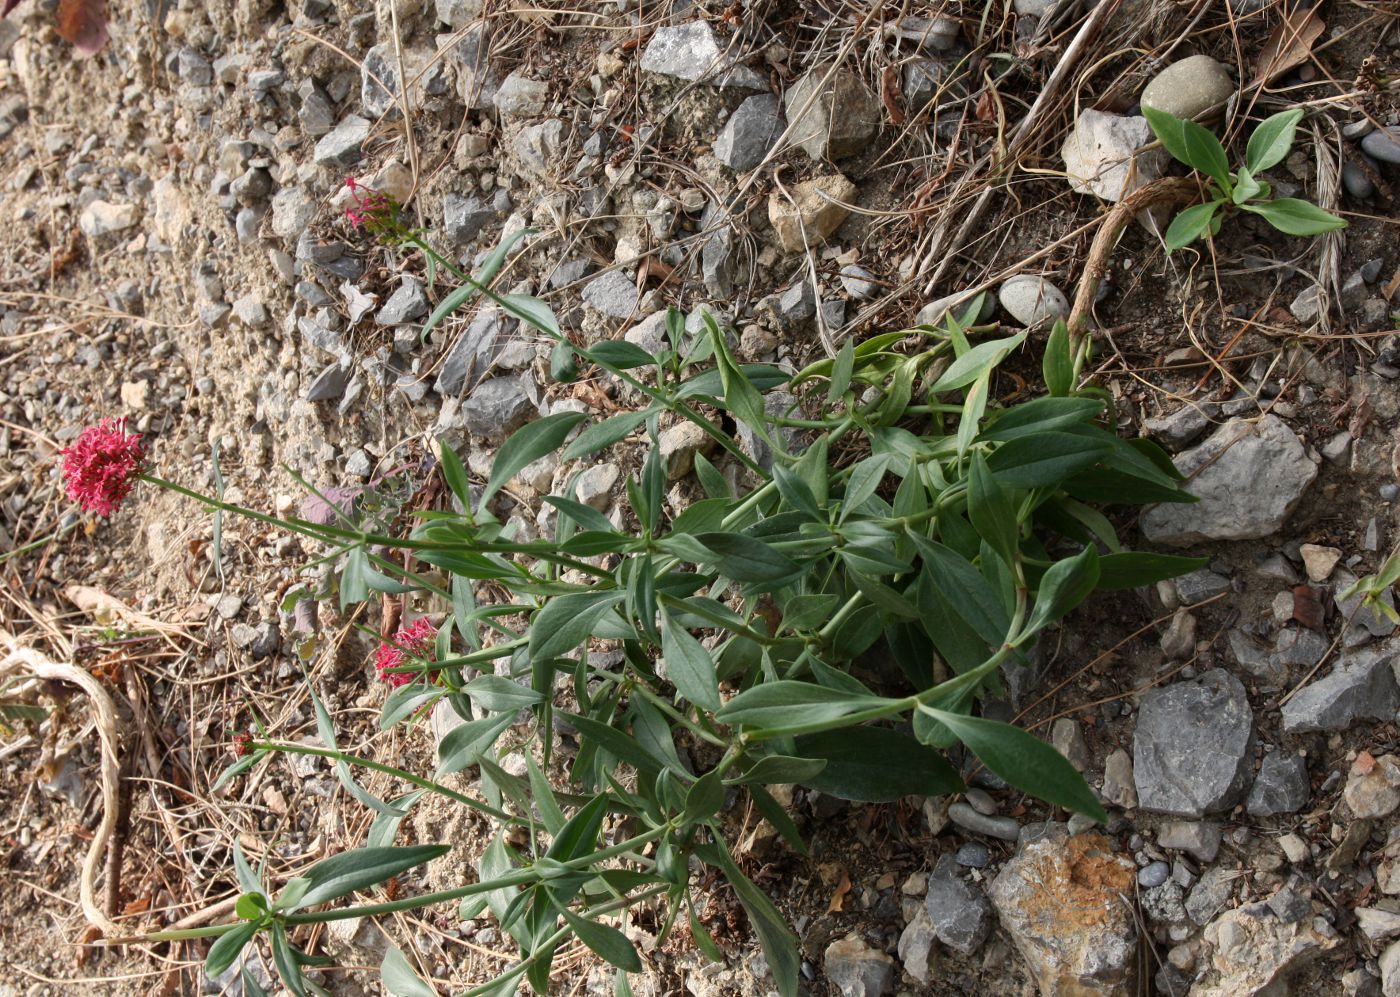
x=1154 y=874
x=973 y=855
x=982 y=801
x=994 y=827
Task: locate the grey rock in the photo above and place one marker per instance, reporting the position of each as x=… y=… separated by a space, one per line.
x=1366 y=623
x=477 y=80
x=1353 y=292
x=959 y=910
x=498 y=407
x=569 y=272
x=520 y=96
x=857 y=970
x=1211 y=893
x=1390 y=970
x=922 y=79
x=1090 y=953
x=718 y=264
x=915 y=947
x=859 y=282
x=250 y=312
x=340 y=148
x=1356 y=180
x=316 y=113
x=1199 y=839
x=611 y=293
x=1251 y=951
x=538 y=147
x=775 y=403
x=1182 y=427
x=1033 y=8
x=1119 y=787
x=830 y=118
x=193 y=68
x=473 y=352
x=750 y=132
x=379 y=81
x=1067 y=737
x=595 y=484
x=1193 y=746
x=1290 y=906
x=1383 y=144
x=1306 y=306
x=1030 y=299
x=1251 y=477
x=691 y=52
x=457 y=13
x=1281 y=787
x=969 y=819
x=650 y=334
x=678 y=446
x=960 y=304
x=1361 y=686
x=252 y=188
x=464 y=217
x=1189 y=87
x=1102 y=158
x=1371 y=269
x=1199 y=585
x=936 y=33
x=1153 y=874
x=329 y=384
x=973 y=855
x=407 y=303
x=791 y=308
x=357 y=463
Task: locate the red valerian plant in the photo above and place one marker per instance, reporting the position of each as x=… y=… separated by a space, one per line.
x=102 y=463
x=417 y=640
x=375 y=212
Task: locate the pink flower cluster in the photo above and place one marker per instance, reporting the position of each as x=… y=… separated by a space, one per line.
x=417 y=640
x=101 y=465
x=372 y=210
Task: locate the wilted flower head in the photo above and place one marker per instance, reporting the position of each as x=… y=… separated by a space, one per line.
x=418 y=640
x=241 y=741
x=98 y=469
x=374 y=211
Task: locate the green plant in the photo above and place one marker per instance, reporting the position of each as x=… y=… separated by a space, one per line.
x=833 y=626
x=1372 y=589
x=1241 y=190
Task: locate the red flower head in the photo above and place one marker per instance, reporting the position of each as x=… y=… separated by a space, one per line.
x=100 y=466
x=417 y=640
x=372 y=210
x=240 y=744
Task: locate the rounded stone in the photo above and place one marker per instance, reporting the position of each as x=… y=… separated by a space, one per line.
x=973 y=855
x=1153 y=874
x=1030 y=299
x=1383 y=144
x=1189 y=87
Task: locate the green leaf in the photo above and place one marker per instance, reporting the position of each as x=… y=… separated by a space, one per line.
x=803 y=612
x=772 y=769
x=789 y=704
x=1293 y=216
x=989 y=508
x=226 y=948
x=1045 y=458
x=876 y=765
x=247 y=878
x=1190 y=225
x=774 y=937
x=1057 y=366
x=745 y=559
x=689 y=666
x=489 y=269
x=533 y=312
x=406 y=700
x=1042 y=415
x=1191 y=144
x=497 y=693
x=619 y=354
x=399 y=978
x=864 y=480
x=1065 y=585
x=250 y=906
x=1246 y=187
x=455 y=474
x=705 y=798
x=604 y=434
x=343 y=874
x=566 y=621
x=525 y=446
x=841 y=371
x=972 y=364
x=284 y=958
x=1130 y=569
x=794 y=491
x=605 y=941
x=466 y=742
x=1271 y=140
x=580 y=834
x=616 y=743
x=1023 y=760
x=711 y=480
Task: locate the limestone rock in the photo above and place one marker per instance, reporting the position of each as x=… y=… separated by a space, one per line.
x=1031 y=299
x=1189 y=87
x=1251 y=949
x=958 y=910
x=1361 y=686
x=1373 y=786
x=1194 y=746
x=1101 y=155
x=750 y=132
x=857 y=970
x=1251 y=477
x=814 y=212
x=1061 y=899
x=831 y=113
x=691 y=52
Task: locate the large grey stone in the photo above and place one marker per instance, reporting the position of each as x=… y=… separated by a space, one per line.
x=538 y=147
x=379 y=80
x=1061 y=899
x=1249 y=477
x=473 y=352
x=611 y=293
x=922 y=78
x=1101 y=155
x=831 y=114
x=856 y=969
x=498 y=407
x=959 y=911
x=1193 y=746
x=691 y=52
x=457 y=13
x=520 y=96
x=750 y=132
x=1383 y=144
x=407 y=303
x=1361 y=686
x=340 y=147
x=1281 y=787
x=463 y=217
x=1189 y=87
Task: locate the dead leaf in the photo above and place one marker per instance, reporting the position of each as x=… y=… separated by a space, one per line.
x=1289 y=44
x=1307 y=607
x=838 y=898
x=84 y=23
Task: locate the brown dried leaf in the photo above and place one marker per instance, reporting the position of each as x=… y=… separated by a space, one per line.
x=84 y=23
x=1289 y=44
x=1307 y=607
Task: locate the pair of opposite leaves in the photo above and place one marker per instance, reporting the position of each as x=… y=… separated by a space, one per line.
x=81 y=22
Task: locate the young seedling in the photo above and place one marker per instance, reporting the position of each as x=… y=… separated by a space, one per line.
x=1241 y=190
